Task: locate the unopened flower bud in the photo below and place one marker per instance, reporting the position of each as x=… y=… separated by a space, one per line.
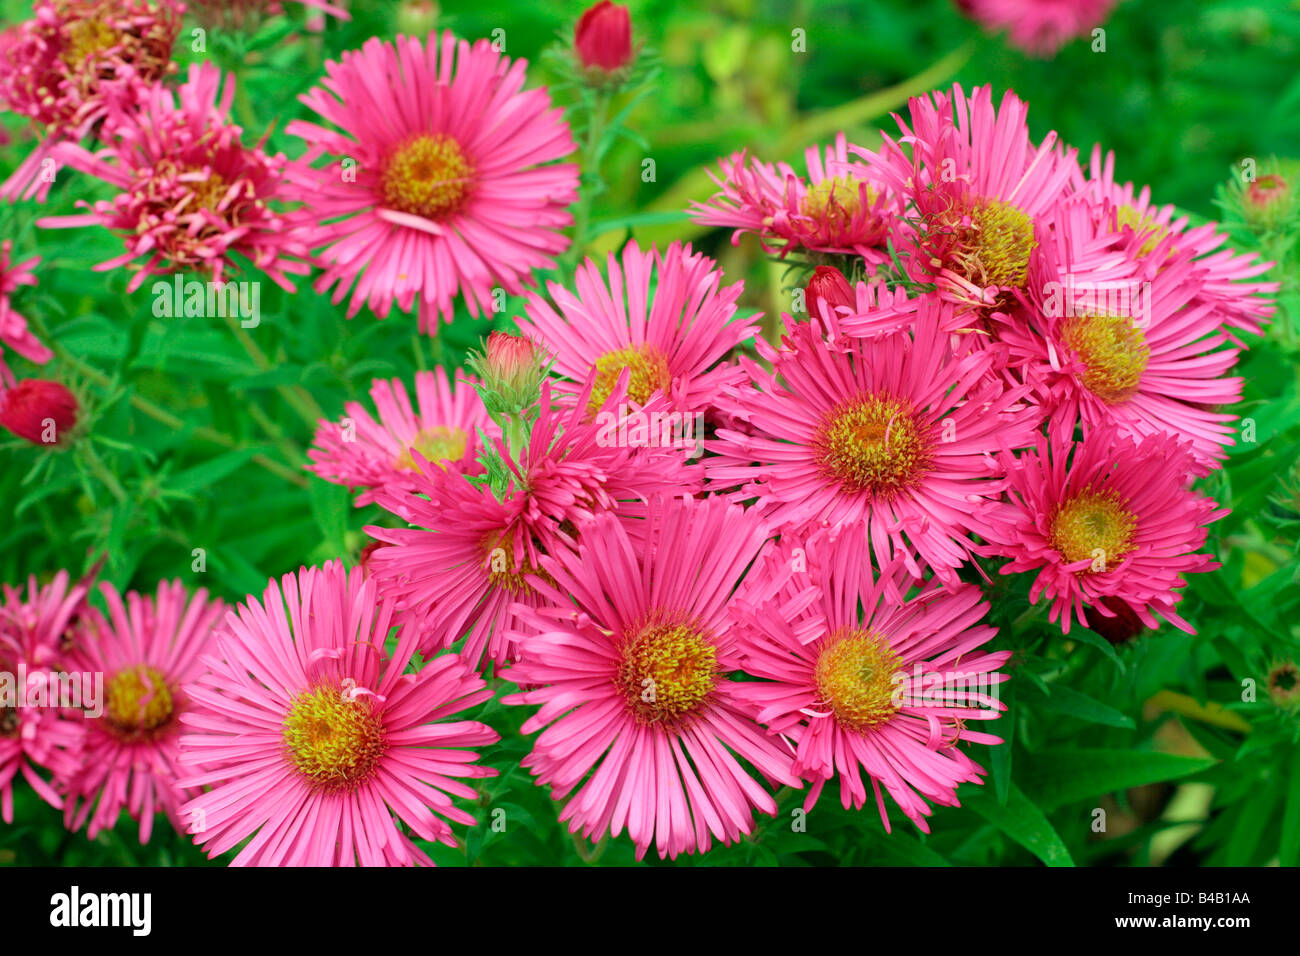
x=512 y=369
x=1268 y=201
x=1122 y=627
x=602 y=40
x=417 y=18
x=828 y=285
x=41 y=411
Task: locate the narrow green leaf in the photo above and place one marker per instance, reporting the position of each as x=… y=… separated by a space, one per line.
x=1022 y=821
x=1068 y=701
x=1057 y=777
x=1288 y=852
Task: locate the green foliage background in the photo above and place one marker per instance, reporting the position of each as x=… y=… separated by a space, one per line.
x=196 y=431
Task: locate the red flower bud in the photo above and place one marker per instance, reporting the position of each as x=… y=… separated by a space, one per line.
x=603 y=37
x=829 y=285
x=363 y=560
x=41 y=411
x=1124 y=626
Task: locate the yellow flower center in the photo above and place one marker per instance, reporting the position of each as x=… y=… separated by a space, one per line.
x=437 y=444
x=1113 y=351
x=428 y=176
x=855 y=678
x=1143 y=225
x=333 y=738
x=207 y=192
x=1093 y=526
x=668 y=669
x=87 y=38
x=503 y=572
x=138 y=701
x=873 y=444
x=997 y=244
x=834 y=202
x=649 y=374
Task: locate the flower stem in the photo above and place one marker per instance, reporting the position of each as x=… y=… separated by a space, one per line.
x=297 y=397
x=593 y=183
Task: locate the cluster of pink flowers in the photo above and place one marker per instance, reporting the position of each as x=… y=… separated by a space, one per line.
x=712 y=566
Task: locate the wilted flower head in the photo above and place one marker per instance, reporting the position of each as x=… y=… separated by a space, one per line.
x=840 y=207
x=192 y=194
x=65 y=68
x=1284 y=684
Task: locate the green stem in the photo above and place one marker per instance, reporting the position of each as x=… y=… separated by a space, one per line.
x=593 y=183
x=297 y=397
x=101 y=471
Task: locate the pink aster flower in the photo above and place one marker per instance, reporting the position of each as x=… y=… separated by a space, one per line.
x=897 y=433
x=443 y=178
x=1222 y=278
x=673 y=339
x=13 y=326
x=975 y=186
x=841 y=207
x=73 y=62
x=1103 y=520
x=1039 y=27
x=316 y=741
x=863 y=681
x=144 y=651
x=362 y=453
x=36 y=735
x=191 y=193
x=1114 y=340
x=475 y=549
x=642 y=729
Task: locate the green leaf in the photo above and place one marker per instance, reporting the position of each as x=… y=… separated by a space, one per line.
x=1054 y=778
x=900 y=849
x=210 y=472
x=331 y=505
x=1000 y=757
x=1065 y=700
x=1096 y=640
x=1288 y=852
x=1022 y=821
